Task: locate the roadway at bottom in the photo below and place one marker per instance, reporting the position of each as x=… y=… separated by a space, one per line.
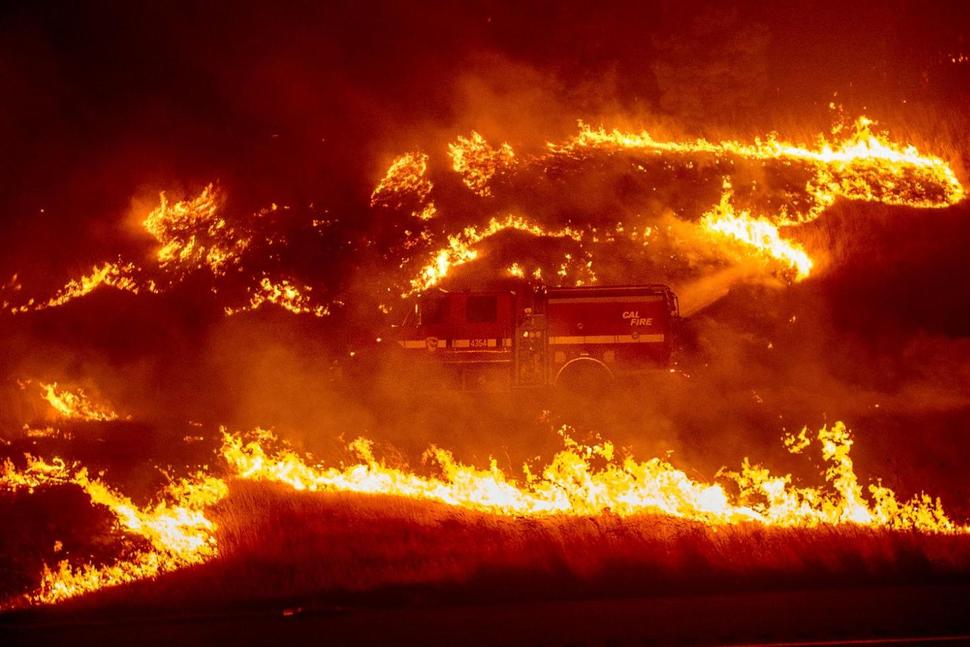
x=931 y=614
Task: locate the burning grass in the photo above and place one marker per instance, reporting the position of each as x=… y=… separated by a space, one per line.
x=599 y=195
x=278 y=546
x=275 y=525
x=309 y=543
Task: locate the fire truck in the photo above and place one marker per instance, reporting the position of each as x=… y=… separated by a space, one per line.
x=538 y=336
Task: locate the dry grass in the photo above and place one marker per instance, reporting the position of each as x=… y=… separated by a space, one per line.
x=280 y=546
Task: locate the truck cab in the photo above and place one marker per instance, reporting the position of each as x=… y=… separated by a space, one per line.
x=470 y=334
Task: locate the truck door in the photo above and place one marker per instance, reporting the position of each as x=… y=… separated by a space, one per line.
x=530 y=351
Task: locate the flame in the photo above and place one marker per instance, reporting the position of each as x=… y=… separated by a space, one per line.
x=797 y=443
x=571 y=484
x=477 y=162
x=116 y=275
x=45 y=432
x=176 y=527
x=286 y=295
x=863 y=166
x=427 y=212
x=459 y=250
x=405 y=179
x=75 y=404
x=192 y=234
x=754 y=232
x=857 y=163
x=580 y=480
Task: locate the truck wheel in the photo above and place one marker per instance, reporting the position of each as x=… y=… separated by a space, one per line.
x=584 y=376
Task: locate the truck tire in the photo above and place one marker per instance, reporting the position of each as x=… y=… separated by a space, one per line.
x=584 y=376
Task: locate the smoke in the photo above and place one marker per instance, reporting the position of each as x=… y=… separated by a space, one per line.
x=305 y=108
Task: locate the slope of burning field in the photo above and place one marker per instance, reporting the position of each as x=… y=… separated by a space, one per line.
x=564 y=215
x=230 y=321
x=589 y=519
x=281 y=548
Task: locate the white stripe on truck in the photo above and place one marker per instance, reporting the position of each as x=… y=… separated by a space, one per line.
x=413 y=343
x=606 y=339
x=480 y=343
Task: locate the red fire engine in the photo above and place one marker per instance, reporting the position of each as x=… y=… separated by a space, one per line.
x=541 y=336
